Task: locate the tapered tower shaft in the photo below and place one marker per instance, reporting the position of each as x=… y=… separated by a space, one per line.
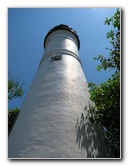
x=53 y=122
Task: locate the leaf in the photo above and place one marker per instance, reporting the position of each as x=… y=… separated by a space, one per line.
x=98 y=68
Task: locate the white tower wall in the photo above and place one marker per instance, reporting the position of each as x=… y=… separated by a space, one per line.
x=51 y=124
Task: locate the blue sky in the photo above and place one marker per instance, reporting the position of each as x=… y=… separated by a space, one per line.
x=27 y=28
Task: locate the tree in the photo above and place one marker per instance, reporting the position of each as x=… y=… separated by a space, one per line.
x=106 y=96
x=15 y=90
x=113 y=61
x=12 y=116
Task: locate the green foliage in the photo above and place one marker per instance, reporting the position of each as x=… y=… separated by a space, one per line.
x=113 y=61
x=106 y=96
x=12 y=116
x=14 y=88
x=107 y=109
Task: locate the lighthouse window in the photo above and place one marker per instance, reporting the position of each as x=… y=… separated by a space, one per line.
x=56 y=58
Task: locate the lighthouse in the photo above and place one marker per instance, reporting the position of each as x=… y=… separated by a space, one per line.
x=53 y=122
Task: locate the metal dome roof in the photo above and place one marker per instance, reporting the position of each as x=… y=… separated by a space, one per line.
x=65 y=27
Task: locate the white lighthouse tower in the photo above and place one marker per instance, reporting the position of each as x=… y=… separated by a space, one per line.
x=53 y=121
